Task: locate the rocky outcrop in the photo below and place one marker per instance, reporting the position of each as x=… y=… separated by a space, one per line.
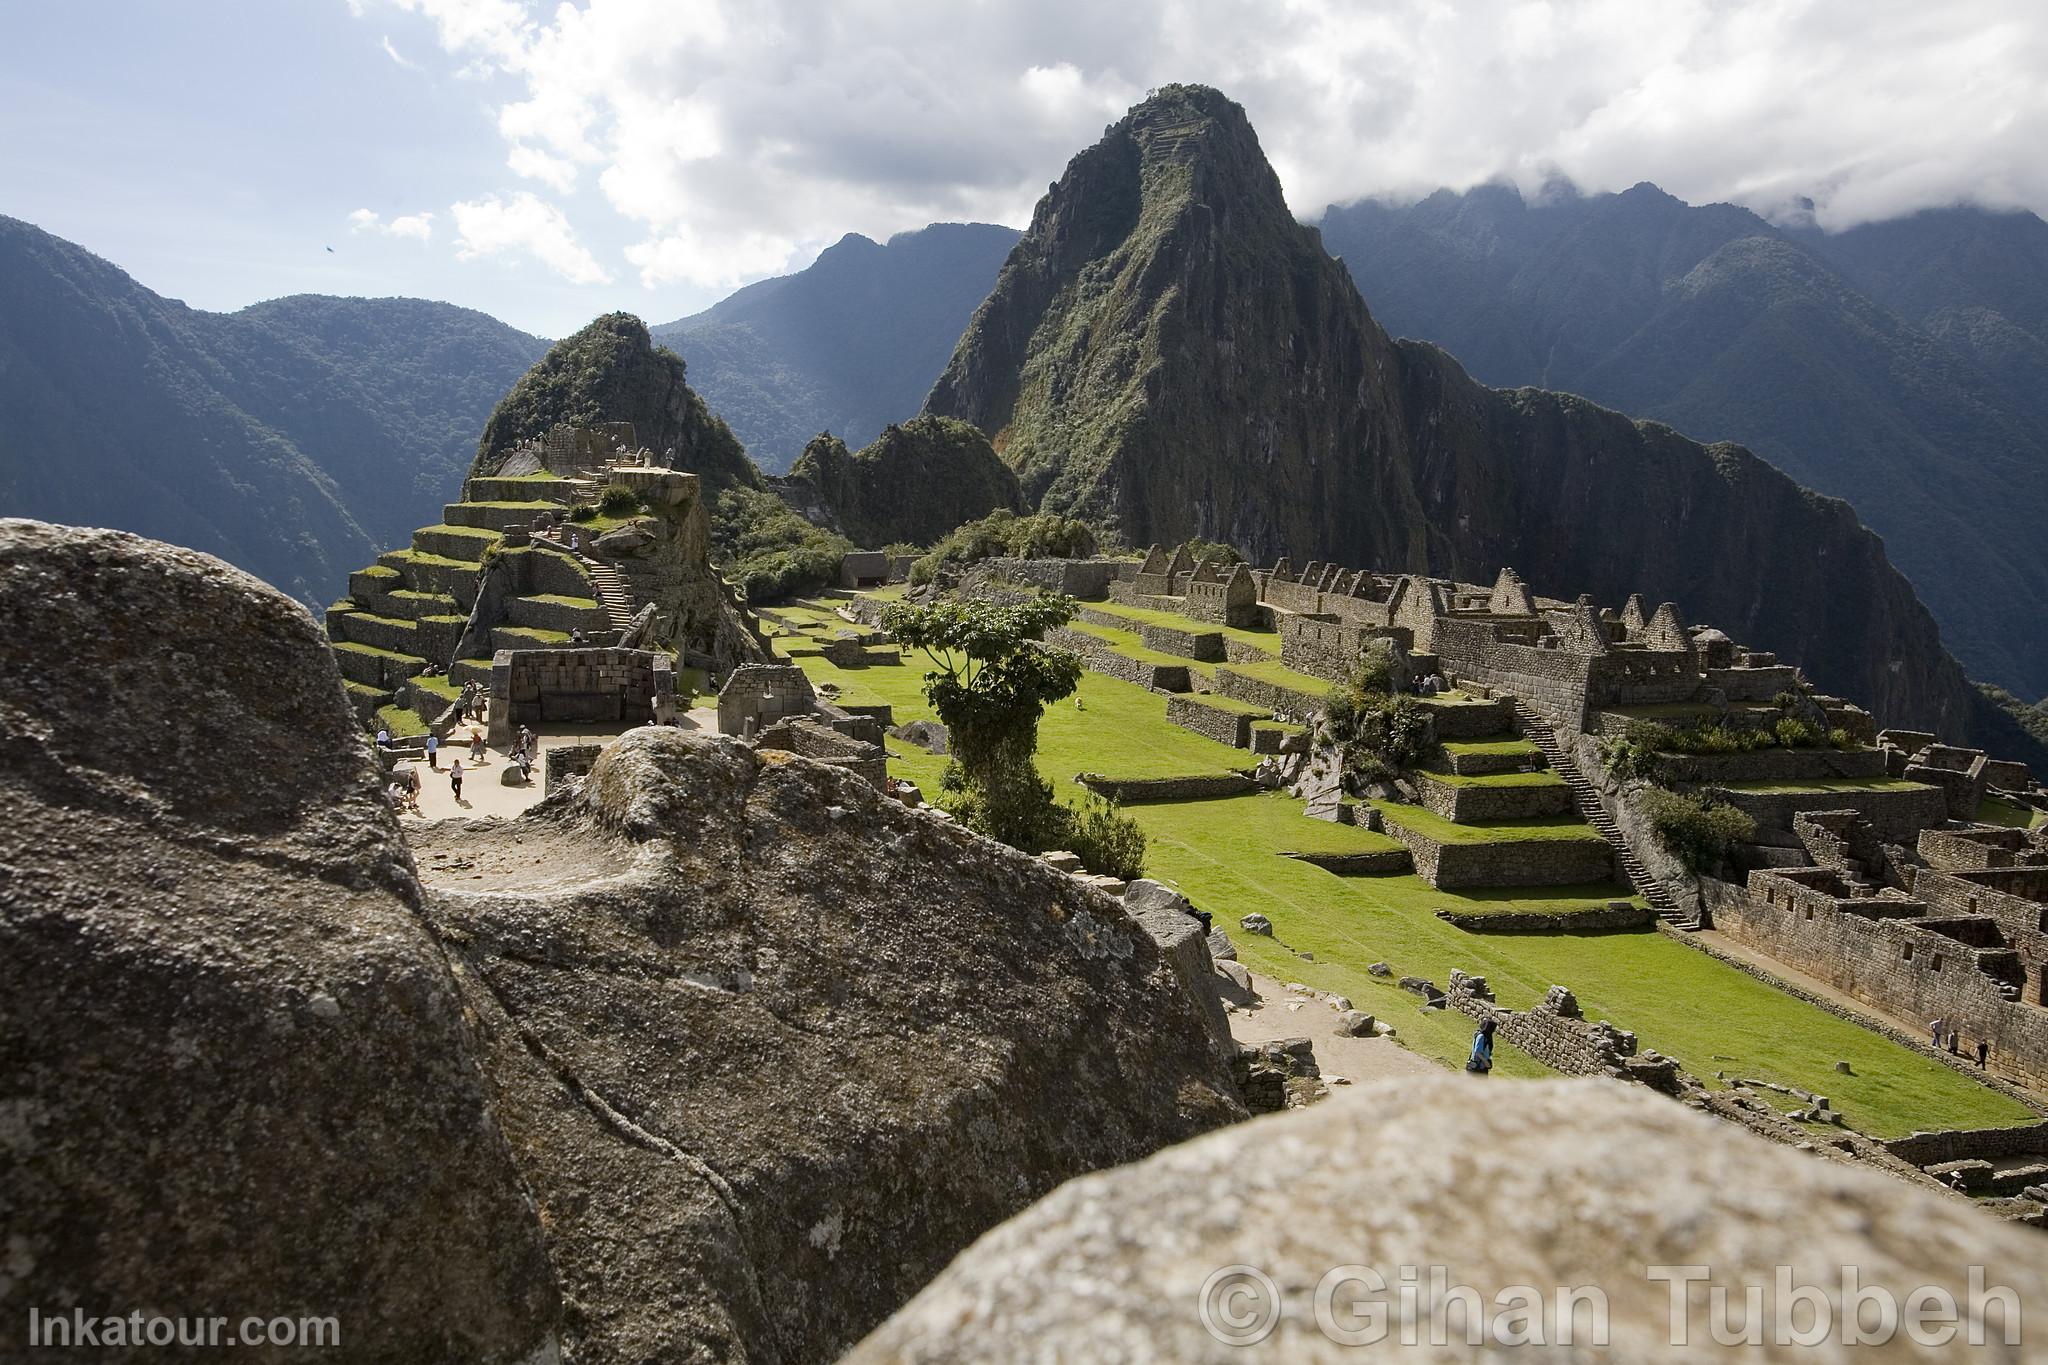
x=913 y=483
x=612 y=371
x=716 y=1054
x=234 y=1073
x=1169 y=350
x=771 y=1048
x=1553 y=1185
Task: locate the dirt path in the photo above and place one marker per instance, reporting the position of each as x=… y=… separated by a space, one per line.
x=1274 y=1012
x=483 y=795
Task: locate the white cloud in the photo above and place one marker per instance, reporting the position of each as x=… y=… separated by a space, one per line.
x=491 y=226
x=738 y=135
x=395 y=55
x=418 y=226
x=556 y=172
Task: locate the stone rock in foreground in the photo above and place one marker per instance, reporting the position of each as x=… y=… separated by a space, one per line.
x=1543 y=1184
x=234 y=1075
x=771 y=1048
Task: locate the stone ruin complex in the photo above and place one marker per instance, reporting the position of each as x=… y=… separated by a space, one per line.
x=774 y=706
x=1869 y=868
x=527 y=564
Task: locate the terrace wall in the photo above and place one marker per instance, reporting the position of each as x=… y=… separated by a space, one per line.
x=1466 y=803
x=1521 y=862
x=1189 y=712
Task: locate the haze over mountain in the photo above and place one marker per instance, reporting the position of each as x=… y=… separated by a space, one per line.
x=848 y=345
x=1168 y=350
x=294 y=438
x=1902 y=365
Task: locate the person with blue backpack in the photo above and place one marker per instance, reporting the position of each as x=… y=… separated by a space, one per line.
x=1481 y=1060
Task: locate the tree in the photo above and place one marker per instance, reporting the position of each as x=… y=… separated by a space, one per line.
x=990 y=682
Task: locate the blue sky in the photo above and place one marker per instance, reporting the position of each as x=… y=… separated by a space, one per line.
x=545 y=162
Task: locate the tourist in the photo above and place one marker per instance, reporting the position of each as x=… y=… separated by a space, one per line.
x=1983 y=1052
x=433 y=751
x=455 y=779
x=476 y=747
x=525 y=767
x=1934 y=1028
x=1955 y=1182
x=1481 y=1060
x=383 y=739
x=1955 y=1038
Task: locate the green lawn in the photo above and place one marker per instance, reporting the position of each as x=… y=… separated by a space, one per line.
x=1824 y=784
x=538 y=634
x=1482 y=831
x=1678 y=1000
x=400 y=723
x=1266 y=640
x=1663 y=710
x=1218 y=702
x=1541 y=777
x=556 y=599
x=1517 y=747
x=1996 y=810
x=373 y=651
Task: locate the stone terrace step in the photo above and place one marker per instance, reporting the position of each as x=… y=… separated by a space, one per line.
x=493 y=516
x=454 y=542
x=557 y=613
x=380 y=632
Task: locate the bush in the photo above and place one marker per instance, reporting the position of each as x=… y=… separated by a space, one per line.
x=617 y=500
x=1716 y=738
x=1795 y=733
x=1105 y=839
x=1632 y=755
x=583 y=512
x=1697 y=832
x=1841 y=738
x=1002 y=534
x=1378 y=734
x=767 y=550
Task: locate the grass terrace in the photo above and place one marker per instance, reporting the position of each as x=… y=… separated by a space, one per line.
x=1541 y=777
x=1679 y=1001
x=1482 y=832
x=1128 y=644
x=1266 y=640
x=1280 y=675
x=1517 y=748
x=1996 y=810
x=400 y=722
x=1800 y=786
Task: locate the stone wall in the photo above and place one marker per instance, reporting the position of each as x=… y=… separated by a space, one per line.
x=1088 y=579
x=1895 y=816
x=1204 y=646
x=566 y=762
x=1554 y=1032
x=1963 y=850
x=801 y=735
x=1190 y=712
x=1326 y=648
x=1967 y=1144
x=538 y=686
x=1523 y=862
x=1285 y=702
x=1136 y=791
x=1102 y=657
x=1886 y=952
x=761 y=694
x=1620 y=915
x=1466 y=803
x=1771 y=765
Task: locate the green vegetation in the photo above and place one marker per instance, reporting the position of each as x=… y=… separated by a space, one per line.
x=1131 y=646
x=400 y=722
x=555 y=599
x=1280 y=675
x=767 y=550
x=1444 y=831
x=617 y=500
x=1996 y=810
x=1541 y=777
x=1698 y=831
x=1378 y=734
x=1517 y=747
x=1004 y=534
x=371 y=650
x=1217 y=702
x=611 y=371
x=1267 y=641
x=537 y=634
x=913 y=484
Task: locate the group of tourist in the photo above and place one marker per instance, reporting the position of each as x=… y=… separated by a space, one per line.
x=1431 y=685
x=1938 y=1029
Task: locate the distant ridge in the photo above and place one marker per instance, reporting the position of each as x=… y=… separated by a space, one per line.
x=848 y=345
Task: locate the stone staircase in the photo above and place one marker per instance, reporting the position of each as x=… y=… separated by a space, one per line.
x=1540 y=733
x=611 y=591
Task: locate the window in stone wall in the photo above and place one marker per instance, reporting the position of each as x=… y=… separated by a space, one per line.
x=1809 y=912
x=1909 y=952
x=1936 y=964
x=1973 y=905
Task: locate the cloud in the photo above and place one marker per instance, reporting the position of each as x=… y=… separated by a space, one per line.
x=492 y=226
x=738 y=137
x=395 y=55
x=418 y=226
